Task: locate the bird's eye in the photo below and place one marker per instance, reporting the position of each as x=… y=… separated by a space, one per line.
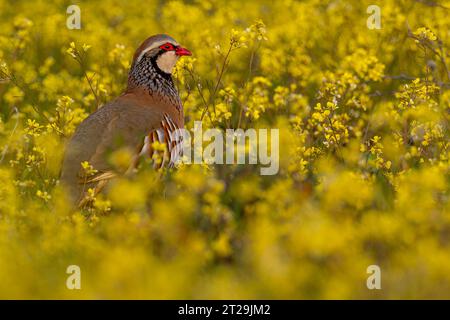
x=167 y=47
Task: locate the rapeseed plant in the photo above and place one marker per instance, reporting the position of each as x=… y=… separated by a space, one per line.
x=364 y=149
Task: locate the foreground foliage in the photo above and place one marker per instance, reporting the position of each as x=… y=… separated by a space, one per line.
x=363 y=117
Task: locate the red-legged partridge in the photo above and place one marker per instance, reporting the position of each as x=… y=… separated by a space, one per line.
x=149 y=110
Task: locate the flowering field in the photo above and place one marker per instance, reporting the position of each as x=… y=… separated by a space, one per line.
x=363 y=180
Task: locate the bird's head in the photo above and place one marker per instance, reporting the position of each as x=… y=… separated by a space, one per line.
x=162 y=50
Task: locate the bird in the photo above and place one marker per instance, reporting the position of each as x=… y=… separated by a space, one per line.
x=149 y=110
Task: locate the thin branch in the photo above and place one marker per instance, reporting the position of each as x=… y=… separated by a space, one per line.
x=440 y=54
x=197 y=85
x=5 y=149
x=432 y=4
x=219 y=79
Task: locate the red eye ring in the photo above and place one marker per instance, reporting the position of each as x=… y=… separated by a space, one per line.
x=167 y=47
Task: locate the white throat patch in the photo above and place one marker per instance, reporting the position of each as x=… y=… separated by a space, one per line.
x=167 y=61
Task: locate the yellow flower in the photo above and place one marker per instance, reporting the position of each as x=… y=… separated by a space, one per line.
x=363 y=153
x=88 y=169
x=43 y=195
x=86 y=47
x=424 y=34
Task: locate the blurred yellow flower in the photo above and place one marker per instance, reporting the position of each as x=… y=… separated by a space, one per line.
x=363 y=119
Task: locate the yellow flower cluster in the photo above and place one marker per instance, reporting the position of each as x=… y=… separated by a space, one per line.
x=424 y=34
x=364 y=148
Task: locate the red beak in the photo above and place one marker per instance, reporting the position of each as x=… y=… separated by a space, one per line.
x=180 y=51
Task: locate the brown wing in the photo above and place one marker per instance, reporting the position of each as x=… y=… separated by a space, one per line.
x=122 y=123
